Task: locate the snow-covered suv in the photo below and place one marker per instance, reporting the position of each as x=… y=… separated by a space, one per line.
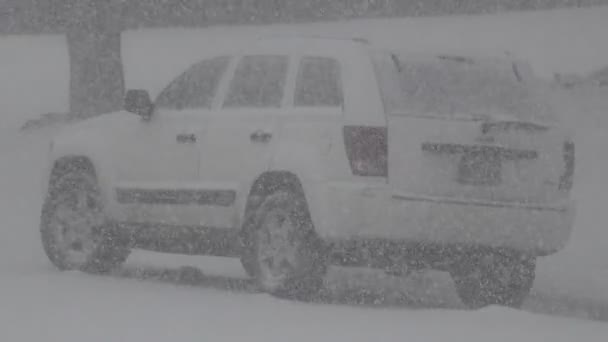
x=294 y=153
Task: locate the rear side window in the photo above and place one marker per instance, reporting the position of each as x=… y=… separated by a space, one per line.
x=318 y=83
x=258 y=82
x=196 y=87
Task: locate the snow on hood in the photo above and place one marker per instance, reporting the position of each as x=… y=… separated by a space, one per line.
x=100 y=126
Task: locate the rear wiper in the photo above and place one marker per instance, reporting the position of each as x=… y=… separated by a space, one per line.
x=396 y=61
x=460 y=59
x=516 y=72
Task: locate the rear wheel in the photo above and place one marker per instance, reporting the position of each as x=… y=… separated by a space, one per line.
x=73 y=228
x=282 y=251
x=494 y=279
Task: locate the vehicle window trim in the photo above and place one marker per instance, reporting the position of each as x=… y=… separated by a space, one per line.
x=298 y=65
x=217 y=89
x=220 y=103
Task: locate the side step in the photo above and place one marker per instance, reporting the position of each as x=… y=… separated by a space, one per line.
x=188 y=240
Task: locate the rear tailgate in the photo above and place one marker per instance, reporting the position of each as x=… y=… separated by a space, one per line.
x=497 y=161
x=475 y=129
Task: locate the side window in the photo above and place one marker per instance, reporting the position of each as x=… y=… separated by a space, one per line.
x=318 y=83
x=196 y=87
x=258 y=82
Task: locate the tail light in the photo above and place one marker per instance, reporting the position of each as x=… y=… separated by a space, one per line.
x=567 y=179
x=366 y=148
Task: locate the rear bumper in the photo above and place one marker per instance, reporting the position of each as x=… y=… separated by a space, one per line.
x=531 y=228
x=534 y=228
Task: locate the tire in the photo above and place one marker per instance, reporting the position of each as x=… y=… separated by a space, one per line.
x=495 y=279
x=282 y=252
x=75 y=234
x=248 y=254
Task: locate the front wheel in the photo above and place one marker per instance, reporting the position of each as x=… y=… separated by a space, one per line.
x=494 y=279
x=74 y=232
x=282 y=251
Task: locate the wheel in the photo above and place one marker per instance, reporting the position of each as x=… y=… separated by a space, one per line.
x=74 y=232
x=247 y=241
x=495 y=279
x=282 y=252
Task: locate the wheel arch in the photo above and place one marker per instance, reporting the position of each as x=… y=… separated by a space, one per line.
x=277 y=180
x=270 y=182
x=64 y=164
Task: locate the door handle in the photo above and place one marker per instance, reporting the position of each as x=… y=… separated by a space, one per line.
x=260 y=136
x=186 y=138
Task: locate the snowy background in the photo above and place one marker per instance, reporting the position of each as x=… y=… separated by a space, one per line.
x=154 y=299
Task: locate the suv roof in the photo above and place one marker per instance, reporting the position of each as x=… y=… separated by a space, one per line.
x=314 y=37
x=288 y=43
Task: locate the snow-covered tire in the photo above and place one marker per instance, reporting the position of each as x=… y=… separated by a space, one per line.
x=495 y=279
x=248 y=253
x=281 y=249
x=74 y=230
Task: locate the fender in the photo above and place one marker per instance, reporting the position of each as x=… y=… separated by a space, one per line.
x=93 y=138
x=306 y=159
x=87 y=145
x=305 y=162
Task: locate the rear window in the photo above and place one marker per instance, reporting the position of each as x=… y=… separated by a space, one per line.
x=452 y=86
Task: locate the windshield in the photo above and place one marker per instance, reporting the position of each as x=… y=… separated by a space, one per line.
x=453 y=86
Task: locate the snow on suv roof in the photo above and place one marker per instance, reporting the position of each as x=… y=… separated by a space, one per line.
x=304 y=43
x=313 y=37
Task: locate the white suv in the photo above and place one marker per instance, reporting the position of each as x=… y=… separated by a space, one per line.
x=296 y=153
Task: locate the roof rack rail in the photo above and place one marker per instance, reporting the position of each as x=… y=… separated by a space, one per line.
x=299 y=35
x=454 y=58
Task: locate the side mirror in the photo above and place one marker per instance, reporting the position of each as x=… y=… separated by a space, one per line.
x=137 y=101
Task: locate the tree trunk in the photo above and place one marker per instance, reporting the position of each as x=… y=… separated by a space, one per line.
x=96 y=71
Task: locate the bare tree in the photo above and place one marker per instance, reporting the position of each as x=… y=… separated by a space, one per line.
x=94 y=44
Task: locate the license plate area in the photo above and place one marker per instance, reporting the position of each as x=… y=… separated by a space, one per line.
x=480 y=168
x=479 y=164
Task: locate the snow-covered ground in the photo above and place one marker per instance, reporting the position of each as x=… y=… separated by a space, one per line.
x=39 y=303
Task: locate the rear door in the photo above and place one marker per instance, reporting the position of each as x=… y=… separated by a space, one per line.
x=336 y=116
